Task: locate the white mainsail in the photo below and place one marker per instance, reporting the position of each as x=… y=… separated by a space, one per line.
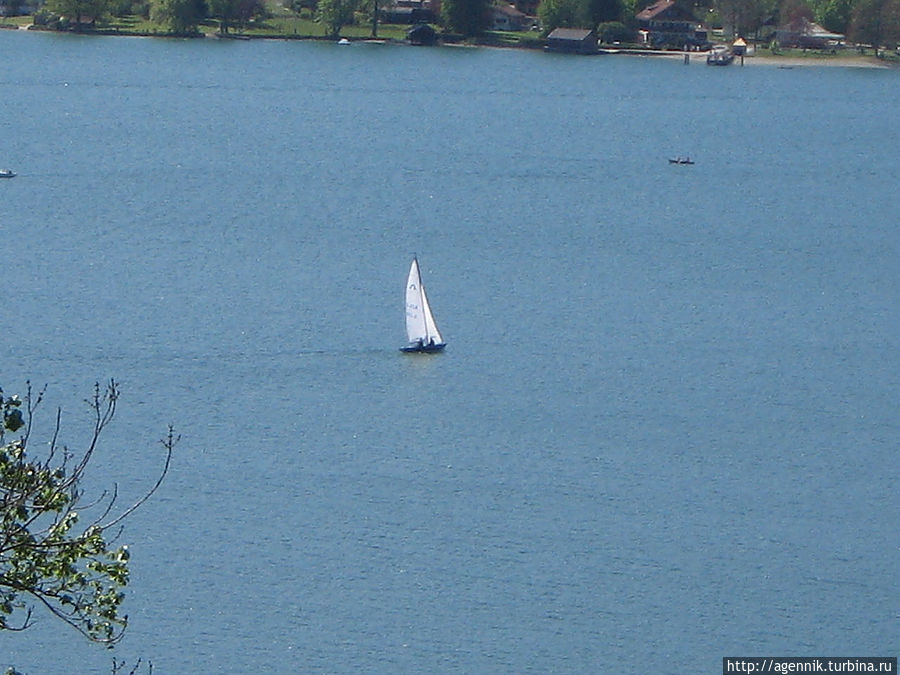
x=420 y=323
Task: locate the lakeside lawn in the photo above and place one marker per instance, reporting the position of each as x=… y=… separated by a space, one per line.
x=282 y=24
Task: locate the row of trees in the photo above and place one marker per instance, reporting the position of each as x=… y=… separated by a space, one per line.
x=874 y=22
x=181 y=17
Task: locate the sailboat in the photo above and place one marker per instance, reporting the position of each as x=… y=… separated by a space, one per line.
x=421 y=329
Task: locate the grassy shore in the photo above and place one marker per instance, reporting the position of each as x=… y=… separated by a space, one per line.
x=285 y=25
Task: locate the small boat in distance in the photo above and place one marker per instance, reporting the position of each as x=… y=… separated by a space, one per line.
x=7 y=173
x=680 y=160
x=421 y=330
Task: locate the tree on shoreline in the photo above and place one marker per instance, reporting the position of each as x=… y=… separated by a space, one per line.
x=877 y=22
x=579 y=13
x=182 y=17
x=596 y=12
x=555 y=14
x=234 y=12
x=79 y=11
x=335 y=14
x=225 y=11
x=745 y=17
x=51 y=553
x=466 y=17
x=835 y=15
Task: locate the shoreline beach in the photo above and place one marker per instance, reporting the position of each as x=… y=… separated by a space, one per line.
x=786 y=61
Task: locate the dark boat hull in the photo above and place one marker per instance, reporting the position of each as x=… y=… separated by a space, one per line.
x=422 y=349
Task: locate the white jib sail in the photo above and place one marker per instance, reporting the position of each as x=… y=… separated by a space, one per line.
x=431 y=329
x=419 y=321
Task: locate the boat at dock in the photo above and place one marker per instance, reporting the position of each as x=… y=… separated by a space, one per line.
x=719 y=56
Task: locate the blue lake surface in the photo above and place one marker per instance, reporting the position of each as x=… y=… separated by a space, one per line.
x=664 y=430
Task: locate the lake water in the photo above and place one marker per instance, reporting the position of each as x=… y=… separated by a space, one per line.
x=665 y=429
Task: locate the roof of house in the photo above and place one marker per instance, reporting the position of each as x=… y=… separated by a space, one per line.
x=661 y=7
x=804 y=26
x=508 y=10
x=570 y=34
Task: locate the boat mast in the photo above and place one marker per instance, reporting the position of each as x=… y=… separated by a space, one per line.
x=422 y=302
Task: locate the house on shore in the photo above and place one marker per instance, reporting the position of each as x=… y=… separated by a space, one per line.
x=572 y=41
x=806 y=34
x=507 y=17
x=666 y=23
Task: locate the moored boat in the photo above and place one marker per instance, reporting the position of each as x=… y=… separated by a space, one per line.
x=719 y=56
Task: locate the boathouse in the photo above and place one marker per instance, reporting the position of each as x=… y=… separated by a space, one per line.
x=572 y=41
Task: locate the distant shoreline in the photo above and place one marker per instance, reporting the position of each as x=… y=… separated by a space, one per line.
x=784 y=61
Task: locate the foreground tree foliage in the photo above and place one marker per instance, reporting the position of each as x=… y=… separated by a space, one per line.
x=118 y=668
x=51 y=553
